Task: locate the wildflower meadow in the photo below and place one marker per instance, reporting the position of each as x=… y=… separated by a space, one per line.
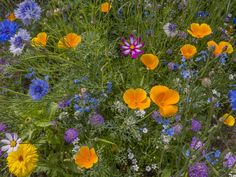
x=117 y=88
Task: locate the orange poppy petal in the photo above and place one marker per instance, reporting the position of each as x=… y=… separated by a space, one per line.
x=229 y=120
x=205 y=29
x=172 y=97
x=93 y=156
x=61 y=44
x=129 y=96
x=229 y=47
x=140 y=95
x=145 y=104
x=195 y=27
x=157 y=93
x=84 y=152
x=72 y=40
x=150 y=61
x=192 y=34
x=168 y=111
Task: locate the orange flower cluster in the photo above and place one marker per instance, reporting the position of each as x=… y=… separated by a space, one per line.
x=221 y=47
x=162 y=96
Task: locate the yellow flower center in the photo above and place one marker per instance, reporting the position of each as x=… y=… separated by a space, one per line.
x=20 y=158
x=13 y=143
x=132 y=47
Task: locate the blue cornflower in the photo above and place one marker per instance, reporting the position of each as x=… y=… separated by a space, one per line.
x=202 y=56
x=186 y=74
x=28 y=11
x=18 y=41
x=202 y=14
x=7 y=30
x=38 y=89
x=234 y=21
x=223 y=58
x=232 y=98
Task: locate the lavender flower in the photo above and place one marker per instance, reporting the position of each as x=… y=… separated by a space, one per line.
x=132 y=47
x=196 y=125
x=28 y=11
x=232 y=98
x=18 y=41
x=96 y=119
x=229 y=160
x=3 y=127
x=64 y=104
x=198 y=170
x=178 y=128
x=196 y=143
x=70 y=135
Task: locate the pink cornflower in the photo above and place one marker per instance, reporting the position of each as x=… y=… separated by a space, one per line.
x=132 y=47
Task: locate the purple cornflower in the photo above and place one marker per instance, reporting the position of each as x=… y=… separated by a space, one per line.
x=229 y=160
x=198 y=170
x=182 y=35
x=170 y=29
x=64 y=104
x=3 y=127
x=96 y=119
x=7 y=30
x=232 y=98
x=18 y=41
x=132 y=47
x=195 y=125
x=38 y=89
x=28 y=11
x=172 y=66
x=196 y=143
x=70 y=135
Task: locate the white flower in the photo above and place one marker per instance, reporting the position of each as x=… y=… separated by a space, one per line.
x=135 y=167
x=130 y=156
x=154 y=166
x=148 y=168
x=170 y=29
x=12 y=142
x=140 y=113
x=145 y=130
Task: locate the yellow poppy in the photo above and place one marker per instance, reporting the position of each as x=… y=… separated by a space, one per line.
x=136 y=99
x=165 y=99
x=150 y=61
x=71 y=40
x=221 y=47
x=228 y=120
x=105 y=7
x=11 y=17
x=188 y=51
x=39 y=40
x=199 y=30
x=85 y=157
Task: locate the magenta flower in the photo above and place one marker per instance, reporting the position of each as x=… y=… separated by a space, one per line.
x=132 y=47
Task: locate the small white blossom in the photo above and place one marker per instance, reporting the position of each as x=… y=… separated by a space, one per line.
x=140 y=113
x=154 y=166
x=148 y=168
x=134 y=161
x=135 y=167
x=145 y=130
x=63 y=115
x=130 y=156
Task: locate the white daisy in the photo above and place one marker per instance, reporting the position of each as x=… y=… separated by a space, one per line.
x=12 y=142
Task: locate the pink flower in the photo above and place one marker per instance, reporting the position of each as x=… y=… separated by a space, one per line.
x=132 y=47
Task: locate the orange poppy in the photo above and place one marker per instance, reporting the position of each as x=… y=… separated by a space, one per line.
x=150 y=61
x=85 y=157
x=39 y=40
x=228 y=120
x=136 y=99
x=165 y=99
x=221 y=47
x=105 y=7
x=11 y=17
x=71 y=40
x=199 y=30
x=188 y=51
